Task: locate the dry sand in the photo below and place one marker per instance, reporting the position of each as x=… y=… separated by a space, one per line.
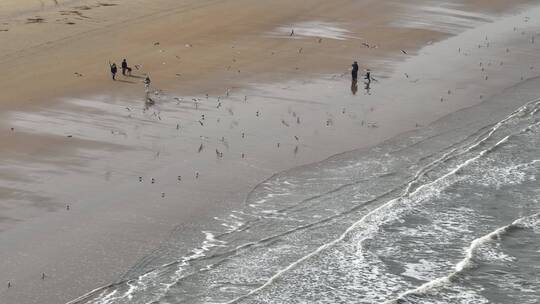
x=85 y=140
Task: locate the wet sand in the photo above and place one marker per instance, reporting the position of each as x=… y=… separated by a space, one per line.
x=84 y=141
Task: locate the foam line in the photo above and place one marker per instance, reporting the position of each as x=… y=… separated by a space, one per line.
x=467 y=261
x=390 y=203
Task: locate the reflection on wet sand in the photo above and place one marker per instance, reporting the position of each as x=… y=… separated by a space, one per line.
x=367 y=87
x=354 y=86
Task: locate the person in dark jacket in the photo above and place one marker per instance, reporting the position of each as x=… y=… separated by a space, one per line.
x=124 y=67
x=114 y=69
x=354 y=71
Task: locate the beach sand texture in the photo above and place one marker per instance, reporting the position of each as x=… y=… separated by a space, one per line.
x=235 y=99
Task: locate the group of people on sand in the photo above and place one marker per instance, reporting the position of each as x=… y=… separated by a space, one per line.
x=368 y=78
x=354 y=73
x=126 y=71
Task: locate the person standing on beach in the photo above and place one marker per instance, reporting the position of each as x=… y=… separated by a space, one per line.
x=355 y=71
x=368 y=76
x=124 y=67
x=114 y=69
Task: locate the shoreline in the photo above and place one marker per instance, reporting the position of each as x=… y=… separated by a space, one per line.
x=312 y=112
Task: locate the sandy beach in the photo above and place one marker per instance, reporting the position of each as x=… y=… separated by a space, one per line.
x=95 y=179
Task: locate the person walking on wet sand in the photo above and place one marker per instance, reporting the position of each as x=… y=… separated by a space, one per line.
x=354 y=71
x=114 y=69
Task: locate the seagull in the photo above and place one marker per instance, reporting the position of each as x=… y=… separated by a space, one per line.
x=404 y=52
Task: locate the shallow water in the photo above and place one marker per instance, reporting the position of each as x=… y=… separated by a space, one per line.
x=443 y=215
x=448 y=214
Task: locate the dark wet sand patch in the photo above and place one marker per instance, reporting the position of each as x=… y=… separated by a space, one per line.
x=35 y=20
x=83 y=8
x=106 y=4
x=73 y=13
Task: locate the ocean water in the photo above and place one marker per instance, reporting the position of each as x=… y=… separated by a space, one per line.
x=446 y=214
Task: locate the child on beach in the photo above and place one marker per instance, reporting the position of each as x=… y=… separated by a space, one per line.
x=368 y=76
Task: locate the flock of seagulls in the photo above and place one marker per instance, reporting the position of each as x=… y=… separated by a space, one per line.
x=258 y=113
